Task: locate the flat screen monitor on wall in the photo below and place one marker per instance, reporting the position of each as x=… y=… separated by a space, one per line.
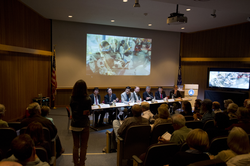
x=228 y=78
x=118 y=55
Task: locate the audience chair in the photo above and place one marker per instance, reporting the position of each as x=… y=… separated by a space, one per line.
x=189 y=118
x=6 y=136
x=157 y=155
x=135 y=142
x=43 y=156
x=184 y=147
x=108 y=141
x=233 y=121
x=217 y=145
x=208 y=124
x=194 y=124
x=69 y=117
x=159 y=130
x=15 y=125
x=215 y=162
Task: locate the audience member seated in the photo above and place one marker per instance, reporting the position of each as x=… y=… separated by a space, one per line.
x=226 y=103
x=206 y=107
x=221 y=122
x=197 y=106
x=244 y=120
x=120 y=127
x=238 y=142
x=146 y=113
x=248 y=105
x=109 y=98
x=198 y=143
x=239 y=160
x=35 y=130
x=187 y=108
x=216 y=107
x=181 y=131
x=96 y=100
x=231 y=110
x=148 y=95
x=136 y=95
x=245 y=102
x=35 y=115
x=2 y=113
x=24 y=152
x=45 y=112
x=163 y=116
x=160 y=94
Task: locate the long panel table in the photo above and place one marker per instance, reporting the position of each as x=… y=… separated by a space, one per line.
x=119 y=105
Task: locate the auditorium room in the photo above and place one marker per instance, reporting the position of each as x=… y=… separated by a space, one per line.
x=124 y=83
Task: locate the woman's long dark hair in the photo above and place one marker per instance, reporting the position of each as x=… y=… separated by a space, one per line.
x=80 y=89
x=188 y=107
x=35 y=130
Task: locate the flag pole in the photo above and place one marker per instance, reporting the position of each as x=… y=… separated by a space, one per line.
x=53 y=78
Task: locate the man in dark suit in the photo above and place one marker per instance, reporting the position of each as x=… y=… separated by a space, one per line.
x=96 y=99
x=136 y=94
x=160 y=94
x=147 y=95
x=109 y=98
x=175 y=93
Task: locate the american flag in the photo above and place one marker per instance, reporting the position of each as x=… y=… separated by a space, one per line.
x=179 y=81
x=53 y=75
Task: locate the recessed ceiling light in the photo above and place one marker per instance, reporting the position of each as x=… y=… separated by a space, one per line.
x=149 y=25
x=112 y=20
x=70 y=16
x=183 y=28
x=188 y=10
x=125 y=0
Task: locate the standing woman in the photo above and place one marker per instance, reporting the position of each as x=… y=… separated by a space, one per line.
x=80 y=104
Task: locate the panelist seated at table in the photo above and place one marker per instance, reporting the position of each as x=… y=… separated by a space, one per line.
x=160 y=94
x=175 y=93
x=148 y=95
x=109 y=98
x=127 y=96
x=136 y=95
x=96 y=99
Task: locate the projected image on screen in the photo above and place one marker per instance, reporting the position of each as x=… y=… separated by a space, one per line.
x=118 y=55
x=227 y=79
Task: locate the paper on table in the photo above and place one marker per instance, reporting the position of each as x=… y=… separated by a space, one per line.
x=104 y=105
x=120 y=104
x=95 y=106
x=170 y=100
x=166 y=136
x=160 y=101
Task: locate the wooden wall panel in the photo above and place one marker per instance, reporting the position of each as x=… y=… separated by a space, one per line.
x=232 y=41
x=21 y=26
x=23 y=76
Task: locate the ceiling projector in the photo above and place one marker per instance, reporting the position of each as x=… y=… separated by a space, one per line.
x=176 y=18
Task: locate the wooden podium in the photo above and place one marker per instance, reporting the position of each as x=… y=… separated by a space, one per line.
x=191 y=92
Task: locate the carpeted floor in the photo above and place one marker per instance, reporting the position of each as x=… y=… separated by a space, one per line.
x=97 y=141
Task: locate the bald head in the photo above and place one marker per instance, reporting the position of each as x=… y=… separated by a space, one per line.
x=136 y=110
x=9 y=163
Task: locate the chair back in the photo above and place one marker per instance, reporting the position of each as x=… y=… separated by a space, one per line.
x=208 y=124
x=159 y=130
x=160 y=154
x=15 y=125
x=136 y=140
x=214 y=162
x=217 y=145
x=233 y=121
x=42 y=154
x=7 y=134
x=184 y=147
x=68 y=112
x=189 y=118
x=194 y=124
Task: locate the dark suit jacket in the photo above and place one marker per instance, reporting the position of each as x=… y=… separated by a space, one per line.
x=139 y=96
x=145 y=95
x=93 y=99
x=107 y=98
x=172 y=92
x=45 y=122
x=158 y=96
